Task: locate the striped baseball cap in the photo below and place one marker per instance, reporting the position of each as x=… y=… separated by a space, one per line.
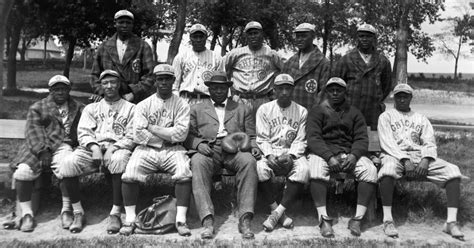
x=284 y=79
x=403 y=88
x=123 y=13
x=58 y=79
x=336 y=80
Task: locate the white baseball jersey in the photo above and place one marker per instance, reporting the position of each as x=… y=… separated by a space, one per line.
x=192 y=69
x=252 y=71
x=105 y=122
x=281 y=130
x=172 y=113
x=406 y=135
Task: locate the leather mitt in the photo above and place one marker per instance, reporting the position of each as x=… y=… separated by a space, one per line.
x=236 y=142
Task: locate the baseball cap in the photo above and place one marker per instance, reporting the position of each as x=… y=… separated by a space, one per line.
x=123 y=13
x=284 y=79
x=58 y=79
x=108 y=73
x=367 y=28
x=218 y=77
x=403 y=88
x=198 y=28
x=253 y=25
x=163 y=69
x=336 y=80
x=304 y=27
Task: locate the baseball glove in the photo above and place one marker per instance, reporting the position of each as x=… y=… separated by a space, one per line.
x=236 y=142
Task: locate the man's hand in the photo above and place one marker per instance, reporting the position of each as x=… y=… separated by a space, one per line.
x=205 y=149
x=129 y=96
x=272 y=161
x=108 y=154
x=409 y=168
x=256 y=153
x=45 y=159
x=334 y=165
x=97 y=156
x=422 y=169
x=349 y=163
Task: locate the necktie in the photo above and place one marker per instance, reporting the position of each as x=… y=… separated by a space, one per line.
x=219 y=105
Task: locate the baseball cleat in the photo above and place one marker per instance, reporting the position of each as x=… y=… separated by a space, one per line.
x=78 y=223
x=67 y=218
x=270 y=223
x=325 y=227
x=12 y=222
x=354 y=226
x=286 y=221
x=452 y=228
x=390 y=230
x=183 y=229
x=27 y=223
x=127 y=229
x=244 y=227
x=208 y=224
x=115 y=223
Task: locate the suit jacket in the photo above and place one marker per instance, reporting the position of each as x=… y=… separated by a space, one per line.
x=204 y=123
x=136 y=63
x=310 y=79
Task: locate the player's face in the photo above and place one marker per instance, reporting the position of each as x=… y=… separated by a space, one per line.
x=124 y=26
x=60 y=93
x=402 y=101
x=304 y=40
x=336 y=94
x=110 y=86
x=284 y=93
x=164 y=85
x=198 y=41
x=218 y=92
x=254 y=38
x=365 y=40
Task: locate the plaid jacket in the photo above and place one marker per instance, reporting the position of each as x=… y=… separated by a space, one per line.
x=136 y=63
x=367 y=84
x=310 y=79
x=45 y=131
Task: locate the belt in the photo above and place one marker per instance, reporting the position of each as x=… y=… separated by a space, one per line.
x=252 y=95
x=195 y=95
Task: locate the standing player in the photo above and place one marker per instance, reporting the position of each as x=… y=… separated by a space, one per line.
x=281 y=136
x=160 y=122
x=51 y=136
x=338 y=142
x=194 y=67
x=368 y=75
x=104 y=133
x=211 y=121
x=409 y=148
x=128 y=55
x=308 y=67
x=252 y=68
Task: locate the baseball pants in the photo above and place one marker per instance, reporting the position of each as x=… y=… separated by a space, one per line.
x=439 y=171
x=61 y=156
x=146 y=160
x=299 y=173
x=364 y=171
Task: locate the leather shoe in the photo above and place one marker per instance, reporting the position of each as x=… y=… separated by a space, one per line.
x=354 y=226
x=244 y=226
x=127 y=229
x=325 y=227
x=66 y=219
x=183 y=229
x=78 y=223
x=452 y=229
x=115 y=223
x=27 y=223
x=389 y=229
x=208 y=224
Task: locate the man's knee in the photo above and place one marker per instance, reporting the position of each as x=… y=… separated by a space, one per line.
x=24 y=172
x=263 y=171
x=118 y=162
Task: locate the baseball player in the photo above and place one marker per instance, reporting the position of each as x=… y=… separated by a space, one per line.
x=160 y=122
x=409 y=149
x=252 y=68
x=338 y=142
x=105 y=137
x=193 y=67
x=211 y=122
x=128 y=55
x=50 y=138
x=281 y=136
x=368 y=75
x=308 y=67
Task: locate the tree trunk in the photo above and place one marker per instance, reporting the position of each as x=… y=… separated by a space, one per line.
x=214 y=41
x=84 y=54
x=45 y=50
x=401 y=44
x=15 y=40
x=5 y=7
x=24 y=46
x=225 y=40
x=69 y=55
x=154 y=41
x=456 y=60
x=178 y=33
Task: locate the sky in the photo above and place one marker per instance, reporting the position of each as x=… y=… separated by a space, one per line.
x=438 y=63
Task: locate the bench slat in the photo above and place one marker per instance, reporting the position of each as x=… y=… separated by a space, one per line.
x=12 y=129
